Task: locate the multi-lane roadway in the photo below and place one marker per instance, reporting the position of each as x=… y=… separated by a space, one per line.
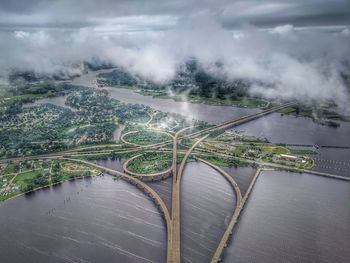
x=173 y=219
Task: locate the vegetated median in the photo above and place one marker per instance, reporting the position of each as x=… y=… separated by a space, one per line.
x=145 y=137
x=149 y=163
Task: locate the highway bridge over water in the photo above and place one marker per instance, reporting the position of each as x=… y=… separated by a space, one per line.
x=172 y=220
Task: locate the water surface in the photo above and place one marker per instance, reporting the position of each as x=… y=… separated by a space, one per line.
x=90 y=220
x=209 y=113
x=296 y=130
x=297 y=218
x=242 y=175
x=207 y=205
x=58 y=101
x=333 y=160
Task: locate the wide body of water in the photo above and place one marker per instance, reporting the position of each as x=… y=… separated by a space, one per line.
x=207 y=205
x=334 y=161
x=296 y=218
x=274 y=127
x=297 y=130
x=209 y=113
x=288 y=217
x=87 y=220
x=104 y=220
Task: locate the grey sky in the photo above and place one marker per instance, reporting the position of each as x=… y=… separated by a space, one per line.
x=141 y=15
x=299 y=48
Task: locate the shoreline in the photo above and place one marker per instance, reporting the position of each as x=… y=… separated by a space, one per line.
x=46 y=186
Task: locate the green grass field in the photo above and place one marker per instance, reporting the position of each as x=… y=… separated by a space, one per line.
x=23 y=179
x=151 y=163
x=146 y=137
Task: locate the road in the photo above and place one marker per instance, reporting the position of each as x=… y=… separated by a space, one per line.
x=172 y=220
x=175 y=214
x=229 y=231
x=153 y=194
x=139 y=175
x=158 y=145
x=244 y=119
x=224 y=240
x=326 y=175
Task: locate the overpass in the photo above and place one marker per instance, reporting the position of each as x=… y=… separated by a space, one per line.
x=151 y=176
x=237 y=211
x=222 y=125
x=225 y=238
x=327 y=175
x=175 y=256
x=173 y=221
x=147 y=189
x=241 y=120
x=314 y=145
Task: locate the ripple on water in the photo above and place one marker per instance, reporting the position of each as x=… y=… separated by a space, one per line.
x=207 y=204
x=89 y=220
x=293 y=218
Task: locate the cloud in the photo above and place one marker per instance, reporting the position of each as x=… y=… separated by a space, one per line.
x=346 y=31
x=230 y=13
x=282 y=62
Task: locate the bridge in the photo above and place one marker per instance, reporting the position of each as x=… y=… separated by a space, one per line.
x=241 y=120
x=147 y=189
x=172 y=220
x=175 y=256
x=314 y=145
x=236 y=213
x=150 y=176
x=175 y=215
x=327 y=175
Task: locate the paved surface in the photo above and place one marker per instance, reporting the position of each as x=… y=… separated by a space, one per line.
x=173 y=221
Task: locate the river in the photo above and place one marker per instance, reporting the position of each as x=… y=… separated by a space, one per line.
x=209 y=113
x=297 y=130
x=292 y=217
x=288 y=217
x=87 y=220
x=207 y=204
x=276 y=128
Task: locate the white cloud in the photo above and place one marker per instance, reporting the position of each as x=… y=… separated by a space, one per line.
x=346 y=31
x=283 y=30
x=303 y=64
x=21 y=34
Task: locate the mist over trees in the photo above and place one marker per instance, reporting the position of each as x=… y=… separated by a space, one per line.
x=282 y=62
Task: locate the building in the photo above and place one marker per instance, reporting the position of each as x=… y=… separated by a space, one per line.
x=288 y=157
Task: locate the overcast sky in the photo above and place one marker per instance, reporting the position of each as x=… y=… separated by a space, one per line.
x=140 y=15
x=297 y=48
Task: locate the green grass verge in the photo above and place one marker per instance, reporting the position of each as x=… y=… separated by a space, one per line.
x=23 y=179
x=151 y=163
x=146 y=137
